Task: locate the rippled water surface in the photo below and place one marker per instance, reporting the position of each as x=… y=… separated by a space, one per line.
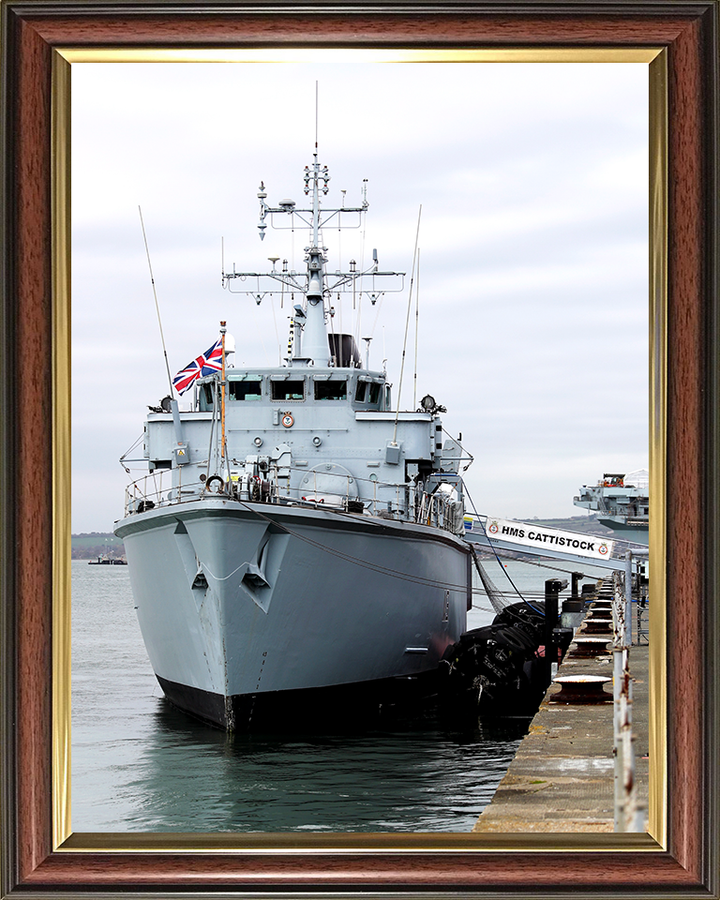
x=140 y=765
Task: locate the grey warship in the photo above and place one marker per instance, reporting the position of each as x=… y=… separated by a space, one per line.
x=622 y=503
x=298 y=540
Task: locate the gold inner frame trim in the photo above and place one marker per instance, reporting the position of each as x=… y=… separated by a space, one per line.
x=63 y=838
x=658 y=159
x=348 y=55
x=61 y=437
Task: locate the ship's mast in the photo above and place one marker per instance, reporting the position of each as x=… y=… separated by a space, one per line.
x=314 y=340
x=311 y=342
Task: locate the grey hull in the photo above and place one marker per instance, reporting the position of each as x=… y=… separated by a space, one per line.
x=245 y=600
x=638 y=532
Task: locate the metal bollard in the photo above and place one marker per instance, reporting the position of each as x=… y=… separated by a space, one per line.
x=552 y=592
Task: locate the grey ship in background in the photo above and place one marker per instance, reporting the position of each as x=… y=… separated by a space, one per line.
x=621 y=502
x=298 y=541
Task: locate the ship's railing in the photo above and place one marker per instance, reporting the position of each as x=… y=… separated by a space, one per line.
x=442 y=510
x=166 y=487
x=341 y=490
x=156 y=489
x=331 y=490
x=388 y=500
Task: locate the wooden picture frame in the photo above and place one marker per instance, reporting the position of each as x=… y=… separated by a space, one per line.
x=38 y=856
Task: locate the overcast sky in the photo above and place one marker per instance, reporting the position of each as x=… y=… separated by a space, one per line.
x=533 y=291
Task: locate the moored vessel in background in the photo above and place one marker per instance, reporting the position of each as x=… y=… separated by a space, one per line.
x=622 y=503
x=108 y=561
x=298 y=540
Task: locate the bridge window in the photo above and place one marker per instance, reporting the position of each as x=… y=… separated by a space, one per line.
x=245 y=390
x=288 y=390
x=360 y=391
x=374 y=392
x=331 y=390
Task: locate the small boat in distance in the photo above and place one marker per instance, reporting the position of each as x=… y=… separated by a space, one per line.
x=622 y=503
x=107 y=561
x=298 y=544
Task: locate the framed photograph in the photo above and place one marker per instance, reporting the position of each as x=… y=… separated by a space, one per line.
x=42 y=42
x=533 y=237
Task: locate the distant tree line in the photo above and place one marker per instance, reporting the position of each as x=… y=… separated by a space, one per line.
x=93 y=551
x=95 y=544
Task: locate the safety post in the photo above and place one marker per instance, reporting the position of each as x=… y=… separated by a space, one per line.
x=628 y=597
x=634 y=558
x=626 y=812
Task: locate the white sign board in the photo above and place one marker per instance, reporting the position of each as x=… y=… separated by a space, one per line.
x=530 y=535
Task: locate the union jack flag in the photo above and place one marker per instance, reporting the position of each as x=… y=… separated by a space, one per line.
x=208 y=362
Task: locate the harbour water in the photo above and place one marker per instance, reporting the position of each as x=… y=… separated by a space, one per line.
x=139 y=765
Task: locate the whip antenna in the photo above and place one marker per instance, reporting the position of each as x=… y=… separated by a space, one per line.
x=407 y=322
x=316 y=116
x=417 y=323
x=157 y=307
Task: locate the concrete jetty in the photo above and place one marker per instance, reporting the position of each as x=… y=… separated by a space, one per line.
x=562 y=776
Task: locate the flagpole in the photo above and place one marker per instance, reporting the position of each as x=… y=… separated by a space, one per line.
x=223 y=444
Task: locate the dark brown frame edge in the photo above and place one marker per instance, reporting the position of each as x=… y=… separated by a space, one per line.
x=689 y=31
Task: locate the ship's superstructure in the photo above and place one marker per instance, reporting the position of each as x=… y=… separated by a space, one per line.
x=296 y=534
